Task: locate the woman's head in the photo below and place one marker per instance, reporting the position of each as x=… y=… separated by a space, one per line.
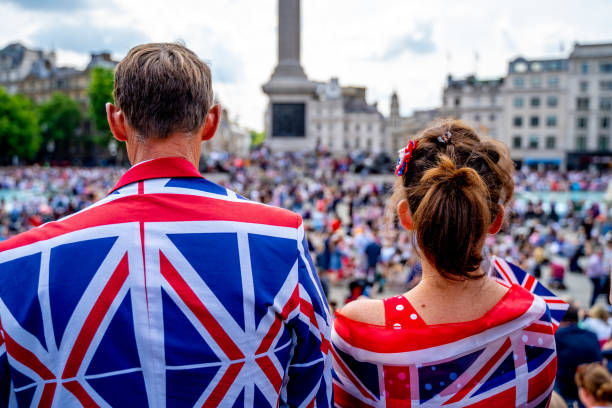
x=453 y=190
x=600 y=312
x=594 y=383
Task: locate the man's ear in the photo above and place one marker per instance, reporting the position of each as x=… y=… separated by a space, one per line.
x=403 y=212
x=211 y=123
x=116 y=122
x=499 y=220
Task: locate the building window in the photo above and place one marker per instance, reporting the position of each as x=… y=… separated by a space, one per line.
x=357 y=143
x=534 y=121
x=477 y=118
x=457 y=101
x=346 y=129
x=493 y=100
x=581 y=143
x=605 y=104
x=552 y=101
x=346 y=143
x=492 y=117
x=553 y=82
x=582 y=104
x=584 y=86
x=551 y=142
x=582 y=123
x=584 y=68
x=603 y=143
x=605 y=67
x=518 y=102
x=369 y=143
x=518 y=121
x=369 y=127
x=605 y=85
x=357 y=127
x=551 y=121
x=536 y=82
x=519 y=82
x=535 y=101
x=517 y=141
x=604 y=122
x=533 y=142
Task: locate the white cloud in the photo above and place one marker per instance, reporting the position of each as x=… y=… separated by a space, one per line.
x=339 y=38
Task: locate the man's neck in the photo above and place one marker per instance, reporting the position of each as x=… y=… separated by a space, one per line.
x=173 y=146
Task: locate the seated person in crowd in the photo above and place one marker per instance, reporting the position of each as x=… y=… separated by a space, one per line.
x=575 y=346
x=594 y=385
x=459 y=338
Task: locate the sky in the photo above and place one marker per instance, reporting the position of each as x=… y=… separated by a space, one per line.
x=404 y=45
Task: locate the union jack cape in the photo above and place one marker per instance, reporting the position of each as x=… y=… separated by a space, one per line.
x=507 y=358
x=171 y=291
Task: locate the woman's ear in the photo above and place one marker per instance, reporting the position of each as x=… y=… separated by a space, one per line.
x=403 y=212
x=499 y=220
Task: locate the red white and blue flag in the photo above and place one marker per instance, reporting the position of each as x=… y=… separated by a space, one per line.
x=171 y=291
x=510 y=274
x=507 y=358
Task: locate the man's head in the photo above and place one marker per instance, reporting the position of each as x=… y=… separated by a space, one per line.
x=162 y=91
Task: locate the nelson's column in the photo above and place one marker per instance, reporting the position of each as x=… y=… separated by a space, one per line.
x=289 y=91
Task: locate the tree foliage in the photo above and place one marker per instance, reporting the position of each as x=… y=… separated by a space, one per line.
x=59 y=117
x=257 y=138
x=19 y=129
x=101 y=92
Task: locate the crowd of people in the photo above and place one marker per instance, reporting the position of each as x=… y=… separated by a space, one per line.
x=352 y=234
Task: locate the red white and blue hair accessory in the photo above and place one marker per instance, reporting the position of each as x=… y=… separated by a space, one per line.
x=405 y=155
x=446 y=137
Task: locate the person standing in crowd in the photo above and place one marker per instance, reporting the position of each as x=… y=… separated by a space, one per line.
x=594 y=385
x=575 y=346
x=172 y=290
x=595 y=272
x=459 y=337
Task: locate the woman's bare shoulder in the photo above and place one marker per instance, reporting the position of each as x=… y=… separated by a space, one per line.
x=371 y=311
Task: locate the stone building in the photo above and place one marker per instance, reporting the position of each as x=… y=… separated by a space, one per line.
x=550 y=112
x=476 y=101
x=589 y=105
x=535 y=111
x=35 y=74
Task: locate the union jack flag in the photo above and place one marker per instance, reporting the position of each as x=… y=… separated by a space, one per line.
x=171 y=291
x=509 y=274
x=507 y=358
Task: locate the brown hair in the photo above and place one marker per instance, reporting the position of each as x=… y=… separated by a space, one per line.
x=162 y=88
x=453 y=190
x=596 y=380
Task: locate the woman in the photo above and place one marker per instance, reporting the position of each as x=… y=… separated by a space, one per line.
x=597 y=322
x=594 y=385
x=459 y=338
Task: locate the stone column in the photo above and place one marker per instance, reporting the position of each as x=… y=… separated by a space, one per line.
x=289 y=39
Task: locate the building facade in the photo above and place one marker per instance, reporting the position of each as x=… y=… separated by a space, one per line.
x=535 y=111
x=342 y=120
x=476 y=101
x=551 y=112
x=590 y=105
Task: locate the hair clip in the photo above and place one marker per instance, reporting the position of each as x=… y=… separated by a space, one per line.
x=445 y=138
x=404 y=157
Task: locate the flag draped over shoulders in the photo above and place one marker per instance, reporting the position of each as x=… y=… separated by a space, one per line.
x=505 y=358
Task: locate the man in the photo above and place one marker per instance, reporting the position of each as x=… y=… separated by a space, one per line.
x=172 y=290
x=575 y=346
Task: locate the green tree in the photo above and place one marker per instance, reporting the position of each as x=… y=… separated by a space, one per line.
x=101 y=92
x=60 y=117
x=19 y=130
x=257 y=138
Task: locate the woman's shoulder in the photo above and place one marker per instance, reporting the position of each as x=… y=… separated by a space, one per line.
x=370 y=311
